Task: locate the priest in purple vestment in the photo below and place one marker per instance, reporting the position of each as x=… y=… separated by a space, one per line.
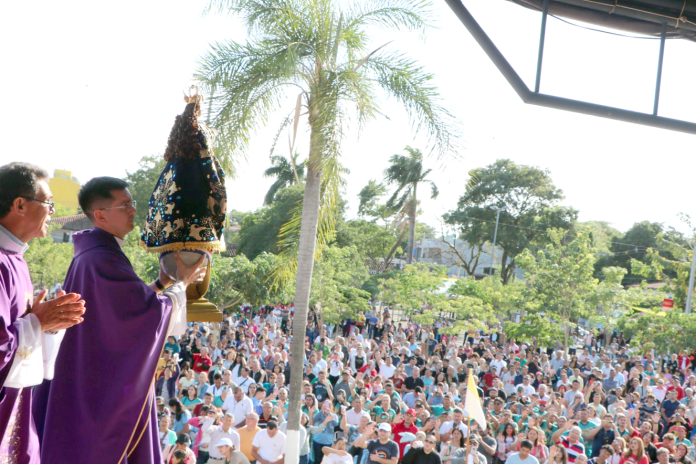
x=100 y=406
x=30 y=334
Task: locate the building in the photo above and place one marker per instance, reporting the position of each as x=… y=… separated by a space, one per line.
x=65 y=188
x=68 y=225
x=450 y=252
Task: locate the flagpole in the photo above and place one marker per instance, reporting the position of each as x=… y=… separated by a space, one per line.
x=468 y=430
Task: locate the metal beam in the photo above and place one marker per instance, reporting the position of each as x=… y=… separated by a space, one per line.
x=542 y=39
x=658 y=81
x=561 y=103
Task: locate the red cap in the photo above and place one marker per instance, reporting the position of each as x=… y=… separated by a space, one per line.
x=411 y=412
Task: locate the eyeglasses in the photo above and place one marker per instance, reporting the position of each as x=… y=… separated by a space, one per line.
x=431 y=442
x=131 y=203
x=51 y=204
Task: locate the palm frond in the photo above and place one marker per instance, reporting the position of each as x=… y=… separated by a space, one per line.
x=411 y=85
x=390 y=14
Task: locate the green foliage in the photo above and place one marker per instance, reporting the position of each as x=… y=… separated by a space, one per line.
x=372 y=240
x=336 y=284
x=559 y=278
x=146 y=265
x=371 y=205
x=531 y=199
x=260 y=229
x=504 y=300
x=670 y=262
x=635 y=245
x=534 y=326
x=283 y=171
x=142 y=183
x=663 y=332
x=48 y=261
x=62 y=211
x=238 y=280
x=419 y=291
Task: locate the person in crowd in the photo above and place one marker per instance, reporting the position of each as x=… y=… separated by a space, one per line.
x=269 y=444
x=183 y=444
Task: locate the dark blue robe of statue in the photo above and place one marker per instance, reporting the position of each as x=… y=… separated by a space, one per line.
x=100 y=405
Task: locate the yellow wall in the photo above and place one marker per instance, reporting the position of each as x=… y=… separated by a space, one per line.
x=64 y=188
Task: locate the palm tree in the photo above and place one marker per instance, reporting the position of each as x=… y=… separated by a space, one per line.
x=286 y=174
x=407 y=172
x=317 y=48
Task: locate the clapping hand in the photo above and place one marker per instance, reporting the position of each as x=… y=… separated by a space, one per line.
x=60 y=313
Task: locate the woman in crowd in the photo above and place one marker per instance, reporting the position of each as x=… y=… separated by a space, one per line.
x=191 y=399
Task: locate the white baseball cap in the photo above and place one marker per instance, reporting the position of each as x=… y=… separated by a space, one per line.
x=384 y=426
x=224 y=442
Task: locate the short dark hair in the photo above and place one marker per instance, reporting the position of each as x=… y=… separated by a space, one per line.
x=179 y=454
x=272 y=425
x=17 y=179
x=526 y=444
x=98 y=188
x=183 y=439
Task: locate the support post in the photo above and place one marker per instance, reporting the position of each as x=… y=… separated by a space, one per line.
x=658 y=82
x=690 y=294
x=542 y=39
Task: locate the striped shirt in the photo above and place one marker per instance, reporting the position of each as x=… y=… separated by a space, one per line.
x=574 y=450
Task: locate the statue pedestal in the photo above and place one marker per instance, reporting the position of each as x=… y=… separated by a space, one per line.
x=198 y=308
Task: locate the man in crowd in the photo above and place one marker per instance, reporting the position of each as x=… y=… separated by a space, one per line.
x=268 y=446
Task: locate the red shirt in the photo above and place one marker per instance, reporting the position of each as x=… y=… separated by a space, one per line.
x=201 y=363
x=397 y=430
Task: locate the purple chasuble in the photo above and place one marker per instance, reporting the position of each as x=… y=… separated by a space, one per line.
x=19 y=443
x=101 y=399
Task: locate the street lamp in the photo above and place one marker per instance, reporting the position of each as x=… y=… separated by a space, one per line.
x=495 y=234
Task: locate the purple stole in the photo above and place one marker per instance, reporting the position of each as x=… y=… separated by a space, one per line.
x=19 y=443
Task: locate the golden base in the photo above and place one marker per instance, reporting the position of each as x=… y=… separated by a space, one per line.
x=202 y=310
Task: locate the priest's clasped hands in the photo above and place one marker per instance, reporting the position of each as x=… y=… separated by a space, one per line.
x=60 y=313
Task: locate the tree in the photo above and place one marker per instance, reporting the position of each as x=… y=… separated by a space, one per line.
x=406 y=172
x=238 y=280
x=372 y=240
x=336 y=284
x=559 y=278
x=634 y=244
x=504 y=300
x=669 y=261
x=285 y=175
x=142 y=182
x=260 y=229
x=419 y=292
x=531 y=202
x=319 y=48
x=48 y=261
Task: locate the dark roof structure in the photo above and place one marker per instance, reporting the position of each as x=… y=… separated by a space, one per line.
x=75 y=222
x=644 y=17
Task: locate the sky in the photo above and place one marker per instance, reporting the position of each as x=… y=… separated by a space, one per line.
x=92 y=87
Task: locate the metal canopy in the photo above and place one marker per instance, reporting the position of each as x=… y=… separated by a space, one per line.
x=537 y=98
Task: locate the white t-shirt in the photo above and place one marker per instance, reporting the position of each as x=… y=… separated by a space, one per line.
x=270 y=449
x=353 y=417
x=386 y=371
x=336 y=459
x=447 y=427
x=239 y=409
x=498 y=364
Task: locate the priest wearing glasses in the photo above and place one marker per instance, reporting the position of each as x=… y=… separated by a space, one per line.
x=31 y=329
x=101 y=404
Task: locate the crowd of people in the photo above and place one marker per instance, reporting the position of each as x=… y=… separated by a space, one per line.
x=379 y=392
